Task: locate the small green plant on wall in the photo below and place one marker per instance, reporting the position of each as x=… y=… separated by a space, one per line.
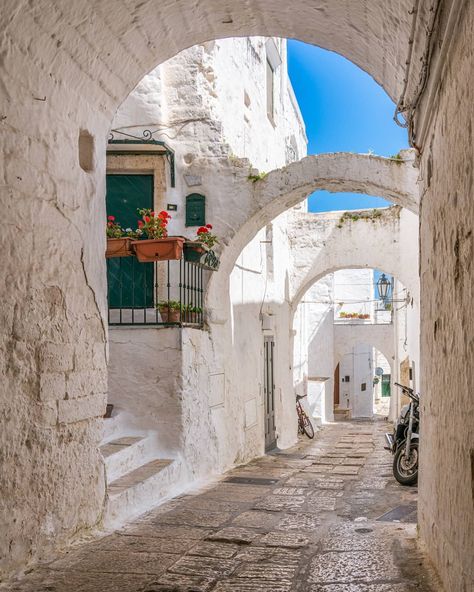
x=258 y=177
x=373 y=215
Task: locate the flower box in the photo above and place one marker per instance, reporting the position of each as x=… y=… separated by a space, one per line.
x=118 y=247
x=158 y=249
x=198 y=253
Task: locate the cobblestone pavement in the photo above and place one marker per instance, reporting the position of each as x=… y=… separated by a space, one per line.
x=316 y=518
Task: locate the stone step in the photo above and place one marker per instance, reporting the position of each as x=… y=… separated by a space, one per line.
x=125 y=454
x=341 y=413
x=141 y=490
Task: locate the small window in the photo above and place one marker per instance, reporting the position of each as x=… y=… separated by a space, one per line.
x=270 y=91
x=195 y=210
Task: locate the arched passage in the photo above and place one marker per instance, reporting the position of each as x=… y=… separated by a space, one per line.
x=97 y=52
x=323 y=243
x=284 y=188
x=339 y=321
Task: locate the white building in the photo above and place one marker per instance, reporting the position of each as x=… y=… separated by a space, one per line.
x=226 y=101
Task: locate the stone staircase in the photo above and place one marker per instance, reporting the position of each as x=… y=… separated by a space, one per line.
x=137 y=480
x=341 y=413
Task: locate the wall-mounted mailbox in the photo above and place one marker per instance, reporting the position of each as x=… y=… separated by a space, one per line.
x=195 y=209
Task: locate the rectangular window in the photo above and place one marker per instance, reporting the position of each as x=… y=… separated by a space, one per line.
x=270 y=91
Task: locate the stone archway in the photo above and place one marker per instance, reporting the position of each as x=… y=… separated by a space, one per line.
x=256 y=205
x=78 y=61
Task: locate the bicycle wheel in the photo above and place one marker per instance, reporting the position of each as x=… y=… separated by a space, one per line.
x=308 y=427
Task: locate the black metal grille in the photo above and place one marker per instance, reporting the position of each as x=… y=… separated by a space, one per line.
x=135 y=289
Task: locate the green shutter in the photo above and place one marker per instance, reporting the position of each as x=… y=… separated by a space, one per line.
x=195 y=210
x=386 y=385
x=130 y=283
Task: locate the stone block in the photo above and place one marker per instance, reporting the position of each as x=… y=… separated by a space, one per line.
x=85 y=383
x=52 y=386
x=49 y=413
x=73 y=410
x=56 y=357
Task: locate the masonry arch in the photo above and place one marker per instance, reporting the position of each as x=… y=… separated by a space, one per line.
x=284 y=188
x=327 y=341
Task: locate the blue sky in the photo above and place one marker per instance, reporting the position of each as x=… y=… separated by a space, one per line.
x=344 y=110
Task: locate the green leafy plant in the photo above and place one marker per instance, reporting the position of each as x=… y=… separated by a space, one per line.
x=192 y=308
x=397 y=157
x=372 y=215
x=170 y=305
x=353 y=315
x=259 y=177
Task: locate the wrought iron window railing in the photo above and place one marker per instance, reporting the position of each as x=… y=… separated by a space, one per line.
x=168 y=293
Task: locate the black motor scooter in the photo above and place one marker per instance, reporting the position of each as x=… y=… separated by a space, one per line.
x=403 y=443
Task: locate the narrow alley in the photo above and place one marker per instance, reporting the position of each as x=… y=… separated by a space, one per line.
x=324 y=516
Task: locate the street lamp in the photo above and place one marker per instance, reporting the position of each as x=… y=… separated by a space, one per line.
x=383 y=286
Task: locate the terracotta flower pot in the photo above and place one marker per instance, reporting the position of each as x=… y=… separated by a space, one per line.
x=158 y=249
x=190 y=317
x=118 y=247
x=169 y=315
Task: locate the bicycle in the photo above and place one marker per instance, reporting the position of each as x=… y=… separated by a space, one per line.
x=304 y=424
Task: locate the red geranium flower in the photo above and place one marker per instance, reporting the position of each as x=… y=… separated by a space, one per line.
x=146 y=218
x=209 y=226
x=111 y=218
x=140 y=223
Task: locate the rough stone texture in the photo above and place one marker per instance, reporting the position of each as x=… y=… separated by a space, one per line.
x=339 y=549
x=447 y=325
x=321 y=244
x=53 y=53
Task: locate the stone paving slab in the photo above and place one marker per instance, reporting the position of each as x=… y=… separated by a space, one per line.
x=53 y=581
x=256 y=519
x=352 y=566
x=144 y=544
x=191 y=517
x=178 y=583
x=235 y=534
x=308 y=529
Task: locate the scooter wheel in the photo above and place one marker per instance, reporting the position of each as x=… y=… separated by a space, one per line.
x=405 y=470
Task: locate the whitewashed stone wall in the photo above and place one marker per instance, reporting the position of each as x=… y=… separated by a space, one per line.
x=98 y=53
x=325 y=243
x=447 y=325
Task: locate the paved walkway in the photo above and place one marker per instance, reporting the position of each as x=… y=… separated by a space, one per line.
x=316 y=518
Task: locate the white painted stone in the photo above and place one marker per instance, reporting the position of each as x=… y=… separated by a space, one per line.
x=56 y=292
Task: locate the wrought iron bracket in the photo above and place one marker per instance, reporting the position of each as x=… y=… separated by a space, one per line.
x=132 y=144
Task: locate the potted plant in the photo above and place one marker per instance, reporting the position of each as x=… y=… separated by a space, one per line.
x=199 y=250
x=191 y=313
x=170 y=311
x=118 y=239
x=157 y=246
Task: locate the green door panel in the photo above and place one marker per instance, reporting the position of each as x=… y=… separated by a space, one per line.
x=386 y=385
x=130 y=283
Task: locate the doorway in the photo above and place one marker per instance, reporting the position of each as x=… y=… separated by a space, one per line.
x=269 y=393
x=130 y=283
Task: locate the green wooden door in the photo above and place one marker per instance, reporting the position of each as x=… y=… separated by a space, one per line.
x=130 y=283
x=386 y=385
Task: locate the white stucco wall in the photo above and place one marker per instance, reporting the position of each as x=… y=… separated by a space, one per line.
x=99 y=52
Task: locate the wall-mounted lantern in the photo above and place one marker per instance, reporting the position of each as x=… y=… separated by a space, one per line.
x=383 y=286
